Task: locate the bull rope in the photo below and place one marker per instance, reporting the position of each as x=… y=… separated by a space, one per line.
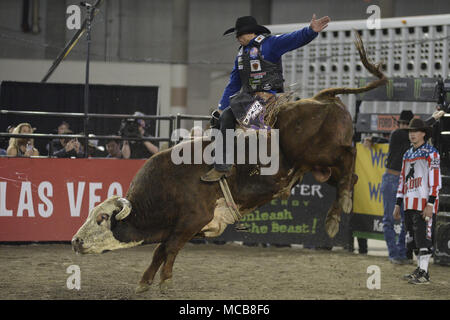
x=274 y=106
x=229 y=199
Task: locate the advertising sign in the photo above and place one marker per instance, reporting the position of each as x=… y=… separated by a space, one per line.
x=297 y=220
x=367 y=195
x=49 y=199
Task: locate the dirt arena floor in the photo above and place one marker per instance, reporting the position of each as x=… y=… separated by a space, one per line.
x=210 y=271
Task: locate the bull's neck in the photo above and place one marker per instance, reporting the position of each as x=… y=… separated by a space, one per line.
x=142 y=226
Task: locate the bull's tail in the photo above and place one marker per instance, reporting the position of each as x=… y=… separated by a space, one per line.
x=374 y=69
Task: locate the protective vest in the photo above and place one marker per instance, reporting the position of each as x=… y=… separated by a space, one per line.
x=256 y=73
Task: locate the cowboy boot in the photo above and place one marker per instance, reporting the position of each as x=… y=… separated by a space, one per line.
x=215 y=175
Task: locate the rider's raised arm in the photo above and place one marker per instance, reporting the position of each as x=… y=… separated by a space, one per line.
x=290 y=41
x=294 y=40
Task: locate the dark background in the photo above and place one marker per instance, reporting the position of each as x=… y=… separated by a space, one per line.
x=58 y=97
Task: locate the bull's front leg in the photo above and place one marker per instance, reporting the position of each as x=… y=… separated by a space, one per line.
x=164 y=255
x=147 y=278
x=172 y=249
x=185 y=230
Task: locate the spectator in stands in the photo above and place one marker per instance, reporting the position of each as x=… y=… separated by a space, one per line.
x=71 y=147
x=57 y=144
x=4 y=141
x=398 y=144
x=113 y=149
x=139 y=149
x=94 y=150
x=196 y=132
x=22 y=147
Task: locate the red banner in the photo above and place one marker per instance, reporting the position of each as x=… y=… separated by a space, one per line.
x=388 y=122
x=49 y=199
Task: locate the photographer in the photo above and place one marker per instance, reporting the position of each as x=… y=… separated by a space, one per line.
x=57 y=144
x=132 y=149
x=71 y=148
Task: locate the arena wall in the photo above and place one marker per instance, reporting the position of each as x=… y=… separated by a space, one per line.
x=142 y=31
x=117 y=73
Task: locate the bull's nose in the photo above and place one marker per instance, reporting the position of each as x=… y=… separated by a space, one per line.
x=77 y=244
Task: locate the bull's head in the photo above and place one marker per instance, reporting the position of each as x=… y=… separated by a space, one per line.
x=96 y=234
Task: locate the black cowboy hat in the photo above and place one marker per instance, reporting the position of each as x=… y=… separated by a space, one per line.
x=406 y=116
x=247 y=24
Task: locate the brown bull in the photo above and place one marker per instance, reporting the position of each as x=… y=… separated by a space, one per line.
x=169 y=204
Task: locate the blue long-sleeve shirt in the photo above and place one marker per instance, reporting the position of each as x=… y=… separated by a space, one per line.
x=272 y=49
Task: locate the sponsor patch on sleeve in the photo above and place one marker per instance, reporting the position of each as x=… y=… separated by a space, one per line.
x=259 y=38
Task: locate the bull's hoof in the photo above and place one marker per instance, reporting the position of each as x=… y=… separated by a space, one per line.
x=332 y=225
x=165 y=286
x=346 y=202
x=142 y=287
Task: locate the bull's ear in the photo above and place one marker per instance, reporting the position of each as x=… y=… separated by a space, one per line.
x=126 y=208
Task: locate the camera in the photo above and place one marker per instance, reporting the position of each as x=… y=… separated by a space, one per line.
x=67 y=140
x=214 y=121
x=129 y=128
x=441 y=90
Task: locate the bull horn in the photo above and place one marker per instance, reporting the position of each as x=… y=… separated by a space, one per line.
x=126 y=209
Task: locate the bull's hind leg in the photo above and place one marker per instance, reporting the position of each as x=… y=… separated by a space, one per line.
x=343 y=178
x=148 y=276
x=334 y=213
x=345 y=183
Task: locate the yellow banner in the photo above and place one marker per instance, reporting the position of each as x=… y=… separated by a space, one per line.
x=370 y=166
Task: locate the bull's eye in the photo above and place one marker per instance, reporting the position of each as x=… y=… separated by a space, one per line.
x=101 y=218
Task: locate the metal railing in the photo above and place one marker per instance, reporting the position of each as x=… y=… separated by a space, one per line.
x=174 y=123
